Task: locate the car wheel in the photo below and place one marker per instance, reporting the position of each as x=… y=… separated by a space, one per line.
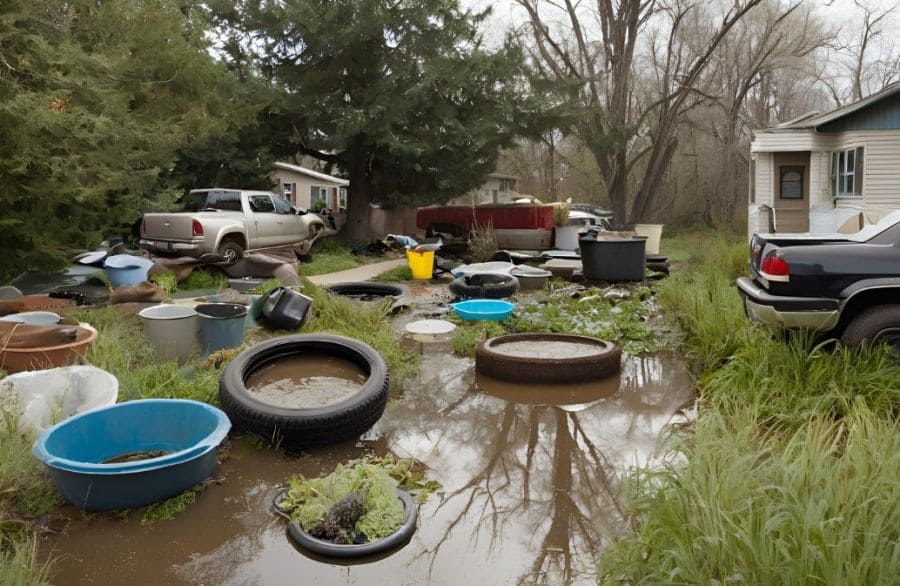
x=230 y=251
x=303 y=427
x=879 y=324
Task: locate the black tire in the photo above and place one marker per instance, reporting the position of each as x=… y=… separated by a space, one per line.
x=296 y=428
x=336 y=550
x=604 y=362
x=878 y=324
x=486 y=286
x=230 y=251
x=368 y=291
x=659 y=267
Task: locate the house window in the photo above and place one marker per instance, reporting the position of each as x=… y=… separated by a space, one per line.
x=287 y=190
x=317 y=197
x=791 y=182
x=846 y=172
x=342 y=199
x=753 y=180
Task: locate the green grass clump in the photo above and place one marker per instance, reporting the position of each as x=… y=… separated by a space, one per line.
x=791 y=474
x=122 y=349
x=817 y=506
x=363 y=321
x=469 y=334
x=25 y=486
x=401 y=273
x=204 y=279
x=329 y=256
x=266 y=286
x=19 y=564
x=168 y=509
x=166 y=282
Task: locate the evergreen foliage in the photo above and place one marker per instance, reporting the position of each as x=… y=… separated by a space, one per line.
x=400 y=95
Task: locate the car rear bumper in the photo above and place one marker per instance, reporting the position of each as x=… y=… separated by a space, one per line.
x=808 y=313
x=170 y=247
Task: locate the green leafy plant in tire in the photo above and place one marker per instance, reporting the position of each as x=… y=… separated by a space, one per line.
x=309 y=501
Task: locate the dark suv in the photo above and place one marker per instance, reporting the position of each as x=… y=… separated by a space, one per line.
x=847 y=286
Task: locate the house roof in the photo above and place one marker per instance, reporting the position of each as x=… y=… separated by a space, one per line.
x=813 y=120
x=503 y=176
x=311 y=173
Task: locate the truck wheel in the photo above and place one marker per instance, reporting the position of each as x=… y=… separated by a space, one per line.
x=879 y=324
x=230 y=251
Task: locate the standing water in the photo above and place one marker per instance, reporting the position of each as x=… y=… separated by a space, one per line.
x=531 y=490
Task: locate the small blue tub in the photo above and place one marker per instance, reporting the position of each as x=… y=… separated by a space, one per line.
x=475 y=309
x=125 y=269
x=188 y=431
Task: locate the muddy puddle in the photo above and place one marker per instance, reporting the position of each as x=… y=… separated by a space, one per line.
x=532 y=489
x=306 y=381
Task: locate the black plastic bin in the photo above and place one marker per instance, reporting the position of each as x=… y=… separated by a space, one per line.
x=285 y=309
x=612 y=259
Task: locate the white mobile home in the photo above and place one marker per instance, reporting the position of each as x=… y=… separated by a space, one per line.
x=818 y=172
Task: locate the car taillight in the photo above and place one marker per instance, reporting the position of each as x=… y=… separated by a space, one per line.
x=775 y=268
x=143 y=227
x=196 y=228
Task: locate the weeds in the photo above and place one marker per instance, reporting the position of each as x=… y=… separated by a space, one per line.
x=469 y=334
x=168 y=509
x=482 y=241
x=19 y=565
x=329 y=256
x=401 y=273
x=25 y=486
x=204 y=279
x=790 y=476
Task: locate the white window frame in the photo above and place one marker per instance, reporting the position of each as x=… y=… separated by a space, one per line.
x=844 y=180
x=342 y=199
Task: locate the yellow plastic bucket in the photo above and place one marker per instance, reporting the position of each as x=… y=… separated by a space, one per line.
x=421 y=263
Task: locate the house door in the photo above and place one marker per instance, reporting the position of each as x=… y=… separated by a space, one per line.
x=791 y=192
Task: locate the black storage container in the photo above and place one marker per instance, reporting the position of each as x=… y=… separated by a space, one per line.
x=285 y=309
x=612 y=259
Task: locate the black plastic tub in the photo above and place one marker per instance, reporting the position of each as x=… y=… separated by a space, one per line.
x=612 y=259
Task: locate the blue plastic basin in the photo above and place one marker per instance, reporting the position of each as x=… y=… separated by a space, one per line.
x=73 y=450
x=125 y=269
x=475 y=309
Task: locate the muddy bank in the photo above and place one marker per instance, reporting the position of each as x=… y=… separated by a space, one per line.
x=531 y=489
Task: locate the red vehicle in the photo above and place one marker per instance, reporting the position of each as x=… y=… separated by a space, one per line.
x=516 y=226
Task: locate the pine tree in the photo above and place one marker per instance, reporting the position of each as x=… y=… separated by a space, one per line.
x=401 y=95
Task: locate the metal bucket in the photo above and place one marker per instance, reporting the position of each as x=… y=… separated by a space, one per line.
x=171 y=329
x=221 y=326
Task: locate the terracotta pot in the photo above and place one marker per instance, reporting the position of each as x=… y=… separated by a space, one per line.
x=21 y=359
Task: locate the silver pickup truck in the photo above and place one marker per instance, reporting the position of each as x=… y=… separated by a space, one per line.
x=229 y=222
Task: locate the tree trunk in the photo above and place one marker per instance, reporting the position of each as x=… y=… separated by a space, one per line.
x=356 y=230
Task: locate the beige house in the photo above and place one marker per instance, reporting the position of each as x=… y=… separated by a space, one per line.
x=308 y=189
x=820 y=172
x=497 y=188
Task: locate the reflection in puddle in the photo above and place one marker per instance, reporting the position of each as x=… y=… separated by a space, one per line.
x=531 y=489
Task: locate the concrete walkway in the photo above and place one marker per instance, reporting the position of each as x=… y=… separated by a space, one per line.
x=362 y=273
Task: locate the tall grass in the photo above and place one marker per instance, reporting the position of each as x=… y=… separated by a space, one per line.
x=790 y=476
x=818 y=506
x=329 y=256
x=19 y=564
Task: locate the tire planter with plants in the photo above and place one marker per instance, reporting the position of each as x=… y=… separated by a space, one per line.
x=303 y=427
x=484 y=286
x=530 y=358
x=363 y=548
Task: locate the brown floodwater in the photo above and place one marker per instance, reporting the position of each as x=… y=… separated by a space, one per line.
x=547 y=348
x=306 y=381
x=532 y=489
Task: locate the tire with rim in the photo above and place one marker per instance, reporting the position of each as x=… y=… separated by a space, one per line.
x=230 y=251
x=301 y=427
x=880 y=323
x=347 y=551
x=368 y=291
x=487 y=286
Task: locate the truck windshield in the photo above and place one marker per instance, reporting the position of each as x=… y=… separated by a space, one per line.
x=229 y=201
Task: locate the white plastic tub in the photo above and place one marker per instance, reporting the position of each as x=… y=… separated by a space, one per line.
x=172 y=329
x=653 y=232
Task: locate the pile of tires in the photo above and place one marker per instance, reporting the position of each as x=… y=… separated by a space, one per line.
x=297 y=428
x=484 y=286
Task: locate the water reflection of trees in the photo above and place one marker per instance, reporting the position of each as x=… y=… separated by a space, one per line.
x=533 y=472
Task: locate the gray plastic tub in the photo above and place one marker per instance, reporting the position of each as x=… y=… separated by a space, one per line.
x=171 y=329
x=221 y=326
